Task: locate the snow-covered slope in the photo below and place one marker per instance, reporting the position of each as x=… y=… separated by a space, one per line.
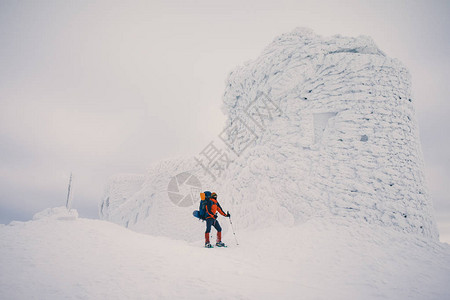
x=317 y=127
x=60 y=256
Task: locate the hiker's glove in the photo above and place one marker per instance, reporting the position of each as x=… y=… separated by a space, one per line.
x=228 y=214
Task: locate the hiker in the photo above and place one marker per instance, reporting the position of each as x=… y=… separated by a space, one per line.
x=211 y=220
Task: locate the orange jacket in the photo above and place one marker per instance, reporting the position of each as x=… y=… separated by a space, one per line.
x=213 y=208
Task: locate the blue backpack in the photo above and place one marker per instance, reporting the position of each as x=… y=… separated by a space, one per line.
x=203 y=203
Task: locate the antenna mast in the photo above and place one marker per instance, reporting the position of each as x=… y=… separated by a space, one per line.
x=69 y=193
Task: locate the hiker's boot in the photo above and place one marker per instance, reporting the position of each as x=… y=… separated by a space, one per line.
x=219 y=236
x=207 y=239
x=220 y=244
x=219 y=240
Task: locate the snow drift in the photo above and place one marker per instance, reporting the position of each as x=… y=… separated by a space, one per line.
x=60 y=256
x=317 y=127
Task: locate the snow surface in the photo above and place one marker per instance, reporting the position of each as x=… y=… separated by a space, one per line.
x=60 y=256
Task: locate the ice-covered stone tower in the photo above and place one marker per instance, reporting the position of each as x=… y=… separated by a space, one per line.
x=317 y=127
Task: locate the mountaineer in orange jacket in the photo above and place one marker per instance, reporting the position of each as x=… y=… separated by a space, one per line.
x=211 y=220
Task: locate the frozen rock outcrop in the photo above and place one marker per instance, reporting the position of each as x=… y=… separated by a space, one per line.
x=317 y=127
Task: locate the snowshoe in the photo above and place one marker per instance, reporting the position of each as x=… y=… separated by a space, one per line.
x=221 y=244
x=208 y=245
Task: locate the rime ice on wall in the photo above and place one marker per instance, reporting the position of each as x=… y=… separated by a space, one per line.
x=142 y=202
x=344 y=140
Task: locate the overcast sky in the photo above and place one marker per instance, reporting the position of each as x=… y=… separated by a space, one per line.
x=106 y=87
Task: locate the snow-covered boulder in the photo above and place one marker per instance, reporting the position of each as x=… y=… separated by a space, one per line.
x=56 y=213
x=317 y=127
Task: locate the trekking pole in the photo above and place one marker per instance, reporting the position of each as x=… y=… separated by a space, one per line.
x=229 y=218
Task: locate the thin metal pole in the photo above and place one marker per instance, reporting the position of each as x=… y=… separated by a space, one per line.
x=233 y=231
x=69 y=192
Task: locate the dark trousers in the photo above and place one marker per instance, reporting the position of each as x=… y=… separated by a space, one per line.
x=212 y=222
